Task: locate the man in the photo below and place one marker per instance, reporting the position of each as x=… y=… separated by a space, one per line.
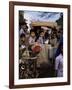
x=59 y=63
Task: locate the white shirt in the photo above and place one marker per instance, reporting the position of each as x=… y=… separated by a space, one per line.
x=40 y=40
x=21 y=31
x=59 y=65
x=31 y=40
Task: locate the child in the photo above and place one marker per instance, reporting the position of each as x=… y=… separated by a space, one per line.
x=59 y=63
x=22 y=40
x=22 y=45
x=53 y=40
x=32 y=38
x=41 y=38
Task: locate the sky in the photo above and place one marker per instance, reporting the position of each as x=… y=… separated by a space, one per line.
x=39 y=16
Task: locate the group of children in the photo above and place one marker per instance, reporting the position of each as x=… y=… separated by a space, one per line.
x=28 y=40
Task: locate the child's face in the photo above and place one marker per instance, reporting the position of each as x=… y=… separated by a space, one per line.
x=23 y=39
x=42 y=34
x=32 y=34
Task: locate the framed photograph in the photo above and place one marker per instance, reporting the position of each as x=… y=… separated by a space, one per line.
x=39 y=44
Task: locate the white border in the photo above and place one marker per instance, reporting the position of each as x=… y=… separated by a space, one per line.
x=18 y=81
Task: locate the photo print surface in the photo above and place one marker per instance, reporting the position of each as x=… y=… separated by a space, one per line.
x=40 y=44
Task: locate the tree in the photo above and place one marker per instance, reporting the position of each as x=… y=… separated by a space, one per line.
x=22 y=20
x=60 y=20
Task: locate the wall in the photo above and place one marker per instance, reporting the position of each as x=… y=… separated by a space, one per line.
x=4 y=43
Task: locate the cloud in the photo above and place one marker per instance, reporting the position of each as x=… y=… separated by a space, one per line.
x=41 y=16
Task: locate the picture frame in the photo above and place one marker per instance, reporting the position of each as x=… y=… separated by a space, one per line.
x=14 y=8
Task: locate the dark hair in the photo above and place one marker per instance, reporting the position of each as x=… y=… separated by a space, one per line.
x=58 y=51
x=41 y=31
x=22 y=35
x=60 y=46
x=32 y=30
x=22 y=23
